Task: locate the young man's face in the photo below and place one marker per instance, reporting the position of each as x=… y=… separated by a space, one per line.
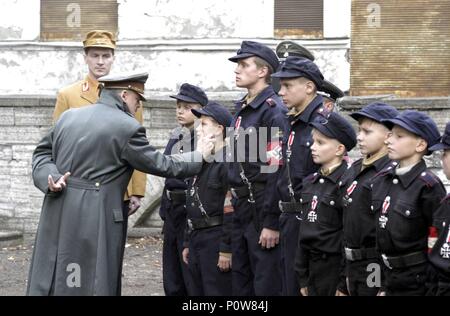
x=371 y=136
x=184 y=115
x=132 y=100
x=324 y=149
x=248 y=73
x=293 y=91
x=403 y=144
x=208 y=126
x=99 y=61
x=446 y=162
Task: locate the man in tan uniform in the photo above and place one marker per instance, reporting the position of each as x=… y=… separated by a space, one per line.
x=99 y=49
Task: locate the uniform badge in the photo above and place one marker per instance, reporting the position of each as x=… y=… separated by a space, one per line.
x=351 y=188
x=383 y=218
x=445 y=249
x=312 y=215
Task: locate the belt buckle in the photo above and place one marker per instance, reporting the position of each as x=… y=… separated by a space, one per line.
x=189 y=222
x=168 y=195
x=349 y=254
x=386 y=261
x=280 y=205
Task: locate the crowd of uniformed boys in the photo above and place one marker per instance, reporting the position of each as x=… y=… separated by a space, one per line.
x=303 y=219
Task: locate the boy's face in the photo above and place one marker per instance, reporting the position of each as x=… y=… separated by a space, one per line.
x=294 y=92
x=446 y=162
x=403 y=144
x=99 y=61
x=371 y=136
x=184 y=115
x=325 y=149
x=208 y=126
x=247 y=73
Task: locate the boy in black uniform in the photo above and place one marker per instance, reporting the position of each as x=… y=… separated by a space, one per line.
x=176 y=275
x=440 y=254
x=299 y=78
x=359 y=228
x=319 y=261
x=256 y=148
x=209 y=210
x=405 y=196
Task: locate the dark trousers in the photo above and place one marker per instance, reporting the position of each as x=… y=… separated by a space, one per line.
x=207 y=279
x=360 y=276
x=256 y=271
x=409 y=281
x=289 y=227
x=324 y=274
x=176 y=275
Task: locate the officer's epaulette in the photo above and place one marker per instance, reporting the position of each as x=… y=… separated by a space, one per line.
x=386 y=170
x=429 y=178
x=271 y=102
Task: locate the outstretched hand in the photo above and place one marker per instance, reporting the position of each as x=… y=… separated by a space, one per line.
x=205 y=145
x=58 y=185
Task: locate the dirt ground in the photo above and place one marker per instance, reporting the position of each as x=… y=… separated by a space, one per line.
x=142 y=271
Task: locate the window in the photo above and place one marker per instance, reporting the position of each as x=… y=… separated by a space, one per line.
x=298 y=18
x=70 y=20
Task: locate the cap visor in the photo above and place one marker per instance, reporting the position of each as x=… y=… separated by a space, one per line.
x=391 y=122
x=286 y=74
x=240 y=56
x=357 y=115
x=439 y=146
x=200 y=112
x=184 y=98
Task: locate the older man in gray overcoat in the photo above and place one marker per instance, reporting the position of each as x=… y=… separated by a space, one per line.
x=83 y=166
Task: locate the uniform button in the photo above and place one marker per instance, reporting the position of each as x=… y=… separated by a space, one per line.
x=395 y=181
x=301 y=200
x=350 y=200
x=192 y=204
x=371 y=207
x=307 y=144
x=423 y=174
x=97 y=184
x=340 y=183
x=332 y=203
x=407 y=213
x=321 y=181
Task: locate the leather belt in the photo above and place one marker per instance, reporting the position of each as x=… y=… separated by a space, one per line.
x=408 y=260
x=205 y=222
x=360 y=254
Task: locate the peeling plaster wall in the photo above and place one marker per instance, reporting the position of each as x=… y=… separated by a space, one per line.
x=19 y=20
x=44 y=68
x=195 y=19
